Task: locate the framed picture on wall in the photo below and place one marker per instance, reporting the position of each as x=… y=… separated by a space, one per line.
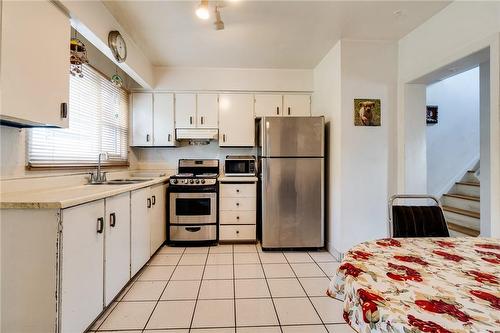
x=367 y=112
x=432 y=114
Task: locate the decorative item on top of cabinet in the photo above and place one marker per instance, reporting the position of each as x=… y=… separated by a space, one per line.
x=153 y=120
x=297 y=105
x=236 y=120
x=237 y=217
x=28 y=64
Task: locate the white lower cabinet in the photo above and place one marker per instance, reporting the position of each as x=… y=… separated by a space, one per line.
x=237 y=213
x=158 y=217
x=140 y=234
x=82 y=268
x=116 y=245
x=79 y=258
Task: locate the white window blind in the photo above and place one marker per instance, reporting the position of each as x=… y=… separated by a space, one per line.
x=98 y=122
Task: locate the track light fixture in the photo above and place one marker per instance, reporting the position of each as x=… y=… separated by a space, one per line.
x=202 y=10
x=219 y=24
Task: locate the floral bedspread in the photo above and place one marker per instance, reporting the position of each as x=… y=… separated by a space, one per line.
x=421 y=285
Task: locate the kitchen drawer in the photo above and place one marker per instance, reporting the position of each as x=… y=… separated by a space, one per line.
x=237 y=217
x=237 y=232
x=193 y=232
x=238 y=190
x=237 y=204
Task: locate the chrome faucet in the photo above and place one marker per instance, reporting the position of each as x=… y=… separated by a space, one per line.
x=98 y=177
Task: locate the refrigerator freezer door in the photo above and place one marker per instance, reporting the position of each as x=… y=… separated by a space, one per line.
x=293 y=136
x=292 y=202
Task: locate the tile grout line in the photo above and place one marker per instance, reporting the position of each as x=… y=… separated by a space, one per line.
x=198 y=294
x=305 y=292
x=159 y=297
x=269 y=289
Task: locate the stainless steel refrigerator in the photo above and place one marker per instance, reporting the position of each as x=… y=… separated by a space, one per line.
x=291 y=153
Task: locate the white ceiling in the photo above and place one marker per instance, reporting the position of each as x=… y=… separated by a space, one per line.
x=262 y=34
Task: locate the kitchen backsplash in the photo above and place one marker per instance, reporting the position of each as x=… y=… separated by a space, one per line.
x=166 y=158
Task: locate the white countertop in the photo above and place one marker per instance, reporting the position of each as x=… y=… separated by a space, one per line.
x=249 y=179
x=56 y=198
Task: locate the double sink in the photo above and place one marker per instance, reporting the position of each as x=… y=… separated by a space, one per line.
x=124 y=181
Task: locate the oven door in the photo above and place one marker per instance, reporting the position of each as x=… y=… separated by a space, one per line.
x=193 y=208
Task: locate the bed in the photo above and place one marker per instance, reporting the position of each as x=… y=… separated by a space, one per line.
x=405 y=285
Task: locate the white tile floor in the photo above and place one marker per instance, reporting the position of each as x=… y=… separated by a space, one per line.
x=228 y=288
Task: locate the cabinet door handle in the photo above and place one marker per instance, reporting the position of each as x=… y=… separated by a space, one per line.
x=149 y=203
x=154 y=199
x=193 y=229
x=278 y=110
x=237 y=217
x=201 y=119
x=100 y=225
x=237 y=231
x=238 y=204
x=147 y=137
x=288 y=110
x=190 y=120
x=64 y=110
x=112 y=219
x=223 y=137
x=169 y=137
x=237 y=190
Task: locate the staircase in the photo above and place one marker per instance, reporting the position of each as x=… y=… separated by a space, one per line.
x=461 y=206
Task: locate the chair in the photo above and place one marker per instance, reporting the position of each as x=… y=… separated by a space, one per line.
x=416 y=221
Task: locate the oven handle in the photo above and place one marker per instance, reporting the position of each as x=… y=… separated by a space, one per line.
x=193 y=229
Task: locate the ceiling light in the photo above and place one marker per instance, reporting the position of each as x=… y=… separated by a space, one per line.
x=202 y=10
x=219 y=24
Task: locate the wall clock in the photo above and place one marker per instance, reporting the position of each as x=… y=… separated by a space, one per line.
x=117 y=45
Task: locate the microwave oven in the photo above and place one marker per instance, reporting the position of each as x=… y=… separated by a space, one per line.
x=235 y=166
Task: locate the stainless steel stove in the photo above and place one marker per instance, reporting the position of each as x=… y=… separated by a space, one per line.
x=193 y=202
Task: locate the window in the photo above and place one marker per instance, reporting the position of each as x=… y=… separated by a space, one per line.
x=98 y=122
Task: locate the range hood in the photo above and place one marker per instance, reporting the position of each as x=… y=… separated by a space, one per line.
x=196 y=133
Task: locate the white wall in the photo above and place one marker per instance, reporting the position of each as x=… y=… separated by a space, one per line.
x=326 y=101
x=459 y=30
x=241 y=79
x=452 y=143
x=361 y=157
x=94 y=21
x=485 y=152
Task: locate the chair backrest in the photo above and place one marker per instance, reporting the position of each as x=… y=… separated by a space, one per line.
x=416 y=221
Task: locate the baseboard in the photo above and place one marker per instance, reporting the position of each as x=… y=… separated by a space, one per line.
x=336 y=254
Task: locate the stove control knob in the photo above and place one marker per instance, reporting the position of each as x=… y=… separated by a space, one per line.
x=203 y=181
x=174 y=181
x=191 y=181
x=197 y=181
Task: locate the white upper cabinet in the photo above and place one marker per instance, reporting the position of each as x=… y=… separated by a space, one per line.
x=35 y=74
x=142 y=119
x=297 y=105
x=163 y=120
x=153 y=119
x=268 y=105
x=207 y=111
x=185 y=110
x=236 y=120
